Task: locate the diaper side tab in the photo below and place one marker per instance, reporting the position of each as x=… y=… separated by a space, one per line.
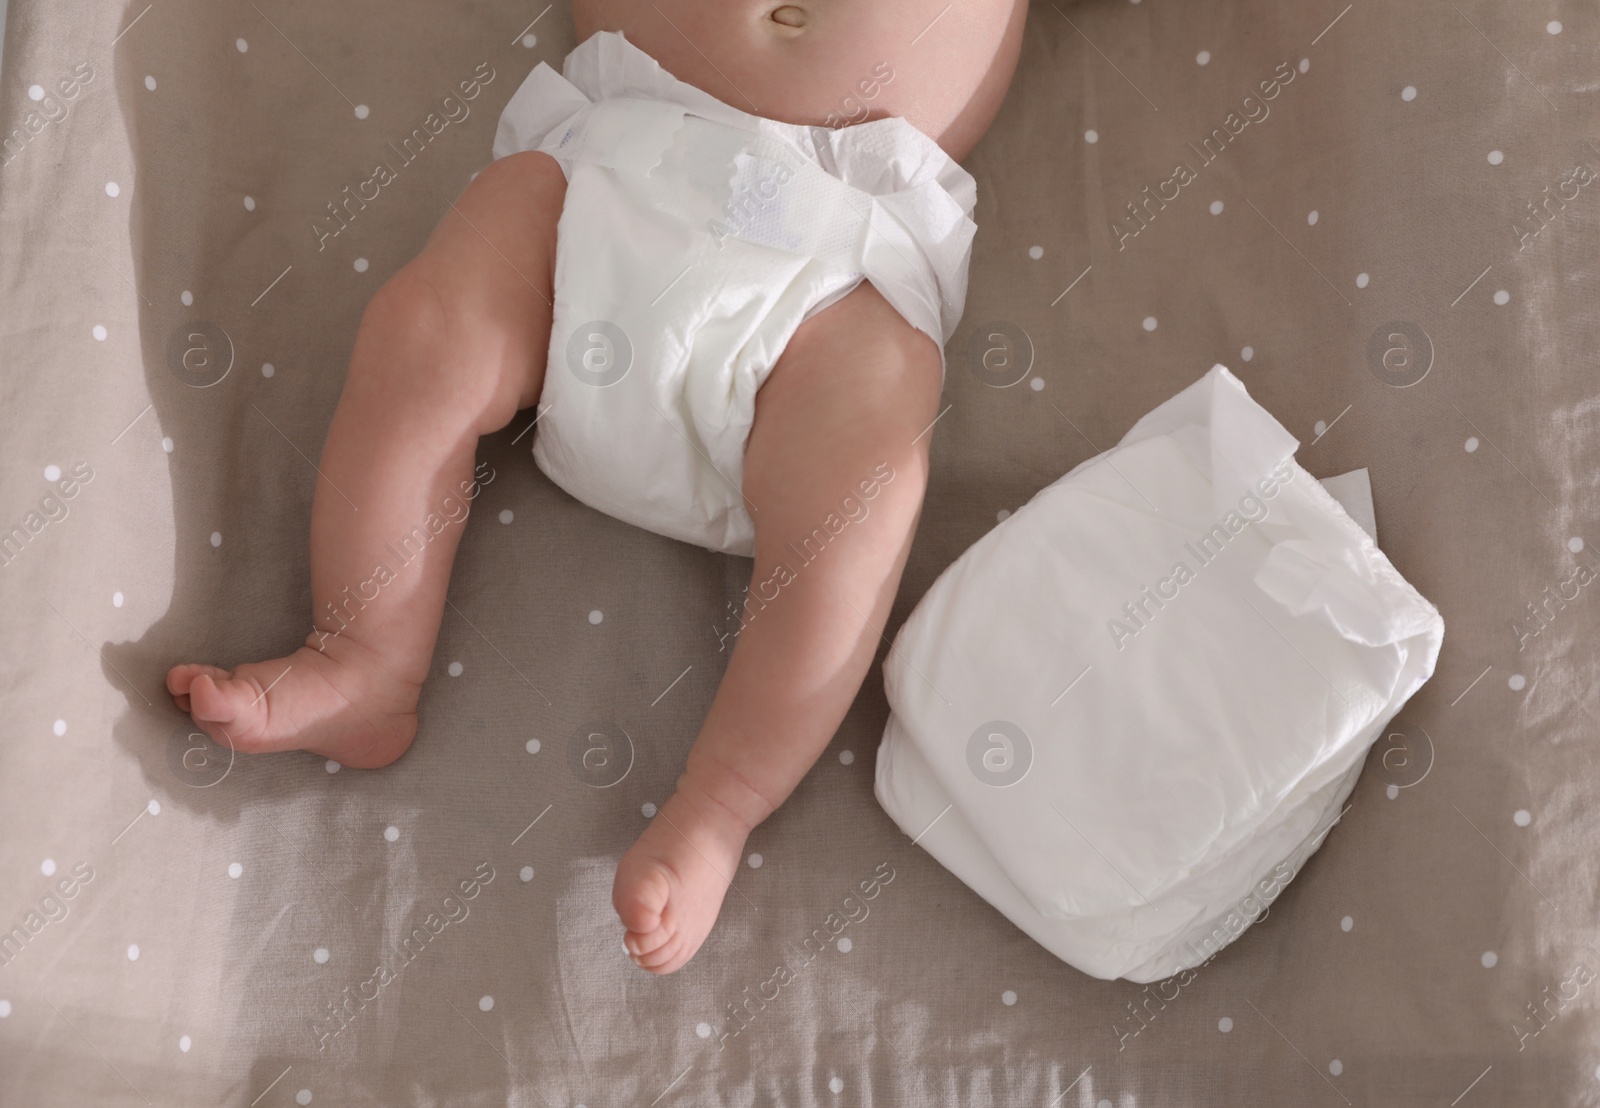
x=922 y=195
x=626 y=135
x=929 y=219
x=891 y=198
x=543 y=102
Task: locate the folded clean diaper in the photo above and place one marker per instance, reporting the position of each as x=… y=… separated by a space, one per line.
x=1127 y=715
x=694 y=240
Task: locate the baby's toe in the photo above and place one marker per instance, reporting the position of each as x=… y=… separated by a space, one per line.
x=640 y=894
x=231 y=710
x=642 y=945
x=181 y=677
x=666 y=958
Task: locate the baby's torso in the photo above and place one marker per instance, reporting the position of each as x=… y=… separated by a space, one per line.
x=830 y=63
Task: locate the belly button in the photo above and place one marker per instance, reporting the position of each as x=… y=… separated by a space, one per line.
x=788 y=16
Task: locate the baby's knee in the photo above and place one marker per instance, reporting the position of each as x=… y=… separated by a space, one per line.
x=409 y=353
x=898 y=373
x=406 y=314
x=866 y=346
x=917 y=364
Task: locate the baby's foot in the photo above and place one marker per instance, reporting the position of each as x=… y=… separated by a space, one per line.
x=349 y=708
x=671 y=882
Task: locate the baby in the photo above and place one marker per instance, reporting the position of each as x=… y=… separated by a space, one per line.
x=732 y=324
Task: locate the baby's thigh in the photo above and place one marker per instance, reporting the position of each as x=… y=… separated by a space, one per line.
x=855 y=380
x=487 y=272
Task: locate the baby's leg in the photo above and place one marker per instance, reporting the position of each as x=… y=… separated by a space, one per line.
x=449 y=349
x=845 y=405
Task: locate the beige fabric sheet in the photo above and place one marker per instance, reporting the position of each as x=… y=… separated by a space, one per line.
x=1372 y=219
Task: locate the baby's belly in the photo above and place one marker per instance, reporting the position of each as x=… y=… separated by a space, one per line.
x=943 y=66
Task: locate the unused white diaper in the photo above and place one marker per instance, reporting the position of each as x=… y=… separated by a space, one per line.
x=1127 y=715
x=694 y=240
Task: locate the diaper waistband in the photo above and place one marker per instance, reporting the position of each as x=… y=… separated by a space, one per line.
x=779 y=193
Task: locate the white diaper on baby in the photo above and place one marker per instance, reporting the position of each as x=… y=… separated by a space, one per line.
x=693 y=241
x=1127 y=715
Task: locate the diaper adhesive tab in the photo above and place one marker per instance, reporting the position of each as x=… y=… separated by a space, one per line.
x=629 y=136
